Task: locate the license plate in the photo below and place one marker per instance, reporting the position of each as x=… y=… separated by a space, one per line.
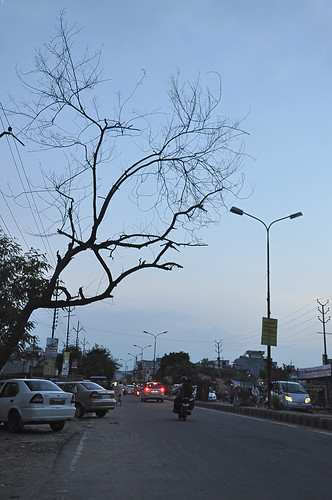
x=155 y=392
x=57 y=402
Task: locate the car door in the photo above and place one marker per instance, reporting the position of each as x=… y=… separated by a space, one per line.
x=7 y=398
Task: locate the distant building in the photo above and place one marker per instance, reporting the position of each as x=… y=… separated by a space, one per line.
x=252 y=362
x=223 y=363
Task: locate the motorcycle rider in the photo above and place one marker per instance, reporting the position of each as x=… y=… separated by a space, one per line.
x=185 y=390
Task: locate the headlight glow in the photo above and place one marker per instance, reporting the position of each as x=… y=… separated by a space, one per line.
x=288 y=398
x=307 y=400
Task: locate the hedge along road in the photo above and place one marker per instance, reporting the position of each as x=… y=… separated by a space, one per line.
x=142 y=451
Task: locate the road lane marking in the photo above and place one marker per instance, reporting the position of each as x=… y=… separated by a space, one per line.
x=79 y=450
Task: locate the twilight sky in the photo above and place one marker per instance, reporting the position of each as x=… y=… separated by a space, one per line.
x=275 y=62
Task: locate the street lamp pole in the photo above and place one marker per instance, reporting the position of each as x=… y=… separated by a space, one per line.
x=154 y=350
x=135 y=362
x=125 y=362
x=142 y=349
x=239 y=211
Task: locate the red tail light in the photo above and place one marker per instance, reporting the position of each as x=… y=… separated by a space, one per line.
x=146 y=389
x=37 y=399
x=162 y=389
x=94 y=395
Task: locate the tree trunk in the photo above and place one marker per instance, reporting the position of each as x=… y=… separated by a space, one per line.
x=17 y=334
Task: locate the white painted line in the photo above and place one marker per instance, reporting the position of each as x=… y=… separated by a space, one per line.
x=79 y=451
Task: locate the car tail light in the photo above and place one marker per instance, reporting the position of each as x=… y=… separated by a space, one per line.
x=37 y=399
x=94 y=395
x=162 y=389
x=146 y=389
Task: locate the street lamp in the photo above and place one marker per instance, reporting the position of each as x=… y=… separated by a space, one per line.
x=125 y=362
x=154 y=350
x=135 y=359
x=239 y=211
x=142 y=349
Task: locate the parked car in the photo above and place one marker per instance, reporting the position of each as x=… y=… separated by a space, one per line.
x=34 y=401
x=290 y=396
x=153 y=390
x=90 y=397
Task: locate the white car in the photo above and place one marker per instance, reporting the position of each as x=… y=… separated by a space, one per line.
x=34 y=401
x=212 y=395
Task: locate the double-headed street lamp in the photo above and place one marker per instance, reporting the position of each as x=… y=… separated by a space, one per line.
x=238 y=211
x=125 y=362
x=135 y=359
x=142 y=349
x=154 y=350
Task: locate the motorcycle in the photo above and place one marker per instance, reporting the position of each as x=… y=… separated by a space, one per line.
x=185 y=408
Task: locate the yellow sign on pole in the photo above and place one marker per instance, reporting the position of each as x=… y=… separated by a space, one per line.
x=269 y=331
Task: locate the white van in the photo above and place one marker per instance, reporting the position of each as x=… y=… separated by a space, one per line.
x=290 y=396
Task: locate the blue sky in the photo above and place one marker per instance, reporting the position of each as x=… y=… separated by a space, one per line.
x=275 y=61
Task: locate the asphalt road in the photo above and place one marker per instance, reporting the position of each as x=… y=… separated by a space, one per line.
x=142 y=451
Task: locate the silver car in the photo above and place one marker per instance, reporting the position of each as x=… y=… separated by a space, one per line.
x=290 y=396
x=34 y=401
x=90 y=397
x=153 y=390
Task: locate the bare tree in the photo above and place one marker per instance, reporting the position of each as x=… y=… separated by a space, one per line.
x=171 y=169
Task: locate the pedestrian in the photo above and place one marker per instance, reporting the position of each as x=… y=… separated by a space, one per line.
x=119 y=392
x=255 y=395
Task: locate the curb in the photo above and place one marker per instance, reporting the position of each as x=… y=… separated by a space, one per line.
x=321 y=421
x=305 y=419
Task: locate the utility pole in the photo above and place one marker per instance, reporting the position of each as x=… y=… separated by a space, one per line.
x=69 y=310
x=84 y=343
x=218 y=351
x=78 y=330
x=55 y=312
x=324 y=321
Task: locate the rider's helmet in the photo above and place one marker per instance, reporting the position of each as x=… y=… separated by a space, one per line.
x=184 y=379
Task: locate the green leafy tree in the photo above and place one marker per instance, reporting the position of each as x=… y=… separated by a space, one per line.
x=22 y=276
x=98 y=361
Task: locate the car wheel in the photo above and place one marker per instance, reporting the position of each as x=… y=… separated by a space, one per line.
x=101 y=413
x=15 y=423
x=79 y=412
x=57 y=426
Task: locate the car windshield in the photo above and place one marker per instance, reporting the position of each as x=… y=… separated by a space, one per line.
x=90 y=386
x=292 y=387
x=41 y=385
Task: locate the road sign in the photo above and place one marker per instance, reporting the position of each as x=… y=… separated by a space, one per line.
x=269 y=331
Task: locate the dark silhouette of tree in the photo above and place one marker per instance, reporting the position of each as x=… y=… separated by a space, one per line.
x=98 y=361
x=136 y=187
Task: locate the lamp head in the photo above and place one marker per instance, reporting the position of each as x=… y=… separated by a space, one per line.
x=236 y=211
x=293 y=216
